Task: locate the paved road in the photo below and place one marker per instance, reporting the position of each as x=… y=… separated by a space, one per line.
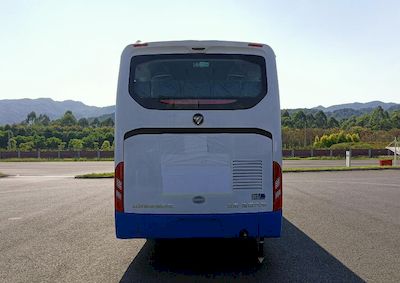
x=338 y=227
x=74 y=168
x=55 y=168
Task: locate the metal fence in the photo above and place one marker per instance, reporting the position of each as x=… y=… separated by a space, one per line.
x=93 y=154
x=47 y=154
x=335 y=152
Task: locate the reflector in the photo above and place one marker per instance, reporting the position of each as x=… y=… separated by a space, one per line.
x=277 y=186
x=119 y=187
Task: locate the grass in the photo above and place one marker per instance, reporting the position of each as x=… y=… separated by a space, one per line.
x=112 y=159
x=325 y=158
x=53 y=159
x=285 y=170
x=331 y=169
x=95 y=175
x=380 y=157
x=2 y=175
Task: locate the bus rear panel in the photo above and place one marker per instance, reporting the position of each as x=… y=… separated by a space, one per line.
x=198 y=141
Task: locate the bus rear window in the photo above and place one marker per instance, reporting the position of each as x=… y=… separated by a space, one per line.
x=197 y=81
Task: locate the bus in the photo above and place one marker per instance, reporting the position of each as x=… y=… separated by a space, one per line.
x=198 y=148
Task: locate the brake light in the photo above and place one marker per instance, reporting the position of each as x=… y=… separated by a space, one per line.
x=255 y=45
x=119 y=187
x=140 y=45
x=277 y=186
x=197 y=101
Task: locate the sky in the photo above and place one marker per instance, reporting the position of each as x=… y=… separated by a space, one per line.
x=328 y=52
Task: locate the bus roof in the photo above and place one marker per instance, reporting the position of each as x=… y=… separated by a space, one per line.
x=202 y=45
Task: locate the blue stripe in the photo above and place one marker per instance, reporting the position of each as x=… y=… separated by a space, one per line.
x=150 y=226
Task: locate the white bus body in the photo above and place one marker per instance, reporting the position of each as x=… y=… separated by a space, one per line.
x=198 y=141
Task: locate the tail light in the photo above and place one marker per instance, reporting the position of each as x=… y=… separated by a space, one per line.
x=197 y=101
x=255 y=45
x=119 y=187
x=277 y=186
x=140 y=44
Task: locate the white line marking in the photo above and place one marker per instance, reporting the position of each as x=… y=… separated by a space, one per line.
x=42 y=176
x=14 y=218
x=343 y=182
x=32 y=190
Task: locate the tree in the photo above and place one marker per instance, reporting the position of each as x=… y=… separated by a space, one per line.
x=355 y=138
x=61 y=146
x=107 y=123
x=75 y=144
x=12 y=144
x=339 y=138
x=317 y=142
x=299 y=119
x=43 y=119
x=23 y=139
x=379 y=119
x=333 y=123
x=287 y=122
x=68 y=119
x=39 y=142
x=311 y=122
x=351 y=122
x=395 y=119
x=106 y=145
x=26 y=146
x=327 y=141
x=363 y=121
x=83 y=122
x=324 y=141
x=320 y=119
x=95 y=122
x=285 y=113
x=53 y=143
x=31 y=118
x=4 y=135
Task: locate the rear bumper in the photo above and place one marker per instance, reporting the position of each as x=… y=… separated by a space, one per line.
x=132 y=225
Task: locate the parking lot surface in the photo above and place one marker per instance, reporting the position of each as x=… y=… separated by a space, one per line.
x=338 y=227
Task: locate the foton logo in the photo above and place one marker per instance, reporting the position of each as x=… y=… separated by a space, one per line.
x=198 y=199
x=198 y=119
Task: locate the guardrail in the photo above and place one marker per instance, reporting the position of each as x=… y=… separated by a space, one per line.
x=93 y=154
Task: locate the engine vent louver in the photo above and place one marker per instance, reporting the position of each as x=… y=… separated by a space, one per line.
x=247 y=174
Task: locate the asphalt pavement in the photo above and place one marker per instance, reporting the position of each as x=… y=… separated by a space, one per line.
x=55 y=168
x=338 y=227
x=72 y=168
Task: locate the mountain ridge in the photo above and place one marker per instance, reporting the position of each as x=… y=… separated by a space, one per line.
x=357 y=106
x=15 y=110
x=347 y=110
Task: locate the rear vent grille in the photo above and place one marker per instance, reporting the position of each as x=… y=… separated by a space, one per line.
x=247 y=174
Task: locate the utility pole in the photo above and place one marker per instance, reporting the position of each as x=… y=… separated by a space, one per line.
x=395 y=152
x=8 y=142
x=305 y=132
